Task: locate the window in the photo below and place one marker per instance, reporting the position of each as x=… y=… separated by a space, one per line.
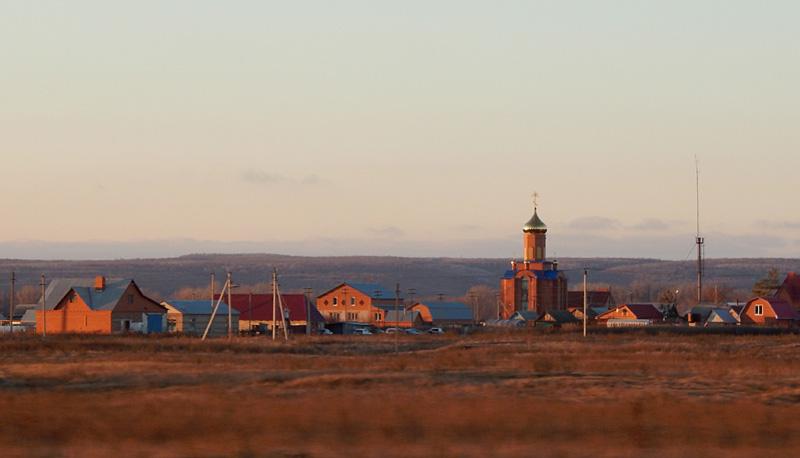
x=335 y=301
x=352 y=316
x=130 y=298
x=759 y=310
x=377 y=317
x=353 y=301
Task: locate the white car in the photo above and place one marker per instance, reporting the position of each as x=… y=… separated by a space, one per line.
x=362 y=332
x=325 y=332
x=437 y=331
x=392 y=330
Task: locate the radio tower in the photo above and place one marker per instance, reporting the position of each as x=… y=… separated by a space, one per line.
x=700 y=240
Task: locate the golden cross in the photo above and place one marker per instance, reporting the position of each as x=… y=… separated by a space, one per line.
x=535 y=200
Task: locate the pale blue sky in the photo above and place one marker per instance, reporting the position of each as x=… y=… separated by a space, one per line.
x=404 y=128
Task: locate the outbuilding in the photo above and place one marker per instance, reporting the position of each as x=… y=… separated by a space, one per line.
x=192 y=318
x=444 y=313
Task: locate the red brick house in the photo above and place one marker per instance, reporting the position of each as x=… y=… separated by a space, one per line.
x=98 y=306
x=770 y=312
x=365 y=303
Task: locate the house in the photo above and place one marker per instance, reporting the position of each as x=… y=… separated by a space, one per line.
x=192 y=318
x=770 y=312
x=364 y=303
x=591 y=313
x=595 y=298
x=256 y=311
x=646 y=312
x=102 y=307
x=444 y=313
x=789 y=290
x=556 y=318
x=721 y=317
x=403 y=319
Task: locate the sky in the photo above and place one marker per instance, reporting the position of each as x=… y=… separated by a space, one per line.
x=414 y=128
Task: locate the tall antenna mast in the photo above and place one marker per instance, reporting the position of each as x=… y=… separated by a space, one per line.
x=699 y=239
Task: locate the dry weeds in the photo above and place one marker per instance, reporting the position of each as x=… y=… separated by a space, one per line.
x=518 y=394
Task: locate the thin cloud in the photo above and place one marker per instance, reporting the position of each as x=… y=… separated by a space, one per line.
x=594 y=223
x=387 y=231
x=261 y=177
x=652 y=224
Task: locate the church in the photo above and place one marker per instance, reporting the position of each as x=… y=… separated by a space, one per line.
x=535 y=284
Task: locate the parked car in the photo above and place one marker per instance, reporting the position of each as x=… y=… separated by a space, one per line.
x=437 y=331
x=362 y=332
x=413 y=331
x=393 y=330
x=325 y=332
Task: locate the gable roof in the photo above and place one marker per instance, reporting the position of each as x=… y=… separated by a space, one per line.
x=558 y=316
x=525 y=315
x=783 y=310
x=639 y=311
x=57 y=288
x=448 y=311
x=372 y=290
x=721 y=316
x=261 y=307
x=595 y=298
x=790 y=289
x=102 y=299
x=198 y=307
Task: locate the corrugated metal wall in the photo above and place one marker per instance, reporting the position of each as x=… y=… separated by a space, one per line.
x=196 y=324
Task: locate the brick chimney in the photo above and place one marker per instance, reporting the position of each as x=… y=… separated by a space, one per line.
x=99 y=283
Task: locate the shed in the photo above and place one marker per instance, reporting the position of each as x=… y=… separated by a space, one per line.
x=444 y=313
x=192 y=317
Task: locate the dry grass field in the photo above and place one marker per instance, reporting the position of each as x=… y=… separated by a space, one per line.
x=515 y=394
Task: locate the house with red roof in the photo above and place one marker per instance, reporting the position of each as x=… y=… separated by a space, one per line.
x=595 y=299
x=770 y=311
x=790 y=290
x=646 y=312
x=255 y=311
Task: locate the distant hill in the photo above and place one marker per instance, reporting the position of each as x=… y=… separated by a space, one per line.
x=430 y=276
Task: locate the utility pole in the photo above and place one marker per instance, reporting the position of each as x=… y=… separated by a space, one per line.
x=700 y=240
x=249 y=312
x=11 y=301
x=42 y=284
x=585 y=298
x=213 y=286
x=230 y=312
x=474 y=302
x=308 y=292
x=396 y=319
x=274 y=300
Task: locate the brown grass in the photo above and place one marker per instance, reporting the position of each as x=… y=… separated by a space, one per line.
x=511 y=394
